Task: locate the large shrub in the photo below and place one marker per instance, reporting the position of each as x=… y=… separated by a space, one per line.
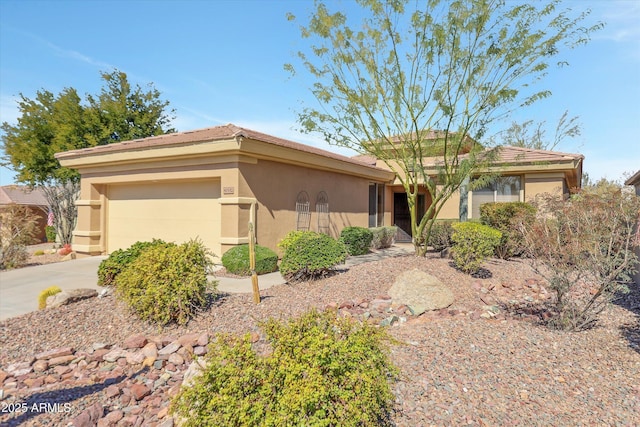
x=322 y=371
x=584 y=247
x=473 y=243
x=440 y=237
x=289 y=239
x=357 y=240
x=509 y=218
x=311 y=255
x=118 y=260
x=167 y=283
x=383 y=237
x=17 y=230
x=236 y=260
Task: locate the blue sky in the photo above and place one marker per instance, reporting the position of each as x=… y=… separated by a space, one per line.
x=221 y=61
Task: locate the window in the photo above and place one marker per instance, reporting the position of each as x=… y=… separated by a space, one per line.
x=503 y=189
x=376 y=205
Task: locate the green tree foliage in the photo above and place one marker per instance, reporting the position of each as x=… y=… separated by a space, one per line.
x=50 y=123
x=530 y=134
x=415 y=80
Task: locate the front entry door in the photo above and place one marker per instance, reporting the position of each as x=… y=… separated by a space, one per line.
x=401 y=215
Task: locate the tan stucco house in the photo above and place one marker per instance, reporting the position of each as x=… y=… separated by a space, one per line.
x=211 y=183
x=33 y=199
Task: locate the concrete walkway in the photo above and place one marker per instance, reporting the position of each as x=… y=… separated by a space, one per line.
x=19 y=289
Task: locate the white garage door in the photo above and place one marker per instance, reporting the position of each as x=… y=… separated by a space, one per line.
x=171 y=211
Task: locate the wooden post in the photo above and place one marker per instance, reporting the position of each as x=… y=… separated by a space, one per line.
x=252 y=264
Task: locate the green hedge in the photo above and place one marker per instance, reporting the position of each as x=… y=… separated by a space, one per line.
x=167 y=283
x=357 y=240
x=509 y=218
x=309 y=255
x=383 y=237
x=118 y=260
x=473 y=243
x=236 y=260
x=321 y=371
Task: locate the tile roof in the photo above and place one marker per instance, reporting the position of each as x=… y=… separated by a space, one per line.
x=634 y=179
x=217 y=133
x=22 y=195
x=509 y=154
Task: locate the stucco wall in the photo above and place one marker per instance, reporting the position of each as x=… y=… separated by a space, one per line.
x=276 y=187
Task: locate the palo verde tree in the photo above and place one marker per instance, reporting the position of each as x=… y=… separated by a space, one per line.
x=530 y=134
x=416 y=80
x=50 y=123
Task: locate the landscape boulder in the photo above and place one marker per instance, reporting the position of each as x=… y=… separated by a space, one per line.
x=69 y=296
x=420 y=292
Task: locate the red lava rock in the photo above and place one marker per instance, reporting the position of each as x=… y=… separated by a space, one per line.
x=135 y=341
x=138 y=391
x=56 y=352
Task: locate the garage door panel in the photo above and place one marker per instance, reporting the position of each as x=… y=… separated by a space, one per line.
x=170 y=211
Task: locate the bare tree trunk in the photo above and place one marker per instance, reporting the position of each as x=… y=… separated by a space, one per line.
x=62 y=197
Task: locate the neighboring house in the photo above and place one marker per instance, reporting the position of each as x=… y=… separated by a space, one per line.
x=32 y=198
x=210 y=183
x=635 y=182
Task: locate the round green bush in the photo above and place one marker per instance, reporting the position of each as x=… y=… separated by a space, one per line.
x=236 y=260
x=440 y=237
x=357 y=240
x=310 y=256
x=473 y=243
x=118 y=260
x=166 y=284
x=322 y=371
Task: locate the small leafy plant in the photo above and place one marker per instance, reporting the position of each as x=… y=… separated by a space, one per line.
x=310 y=255
x=167 y=283
x=236 y=260
x=357 y=240
x=46 y=293
x=39 y=252
x=440 y=237
x=383 y=237
x=322 y=371
x=473 y=243
x=50 y=232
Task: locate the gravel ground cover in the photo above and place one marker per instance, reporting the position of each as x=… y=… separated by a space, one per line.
x=475 y=363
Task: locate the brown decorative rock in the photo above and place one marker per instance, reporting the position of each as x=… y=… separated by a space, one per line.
x=135 y=358
x=150 y=350
x=89 y=417
x=112 y=391
x=69 y=296
x=135 y=341
x=176 y=359
x=115 y=354
x=17 y=369
x=420 y=292
x=69 y=256
x=171 y=348
x=138 y=391
x=56 y=352
x=39 y=366
x=189 y=339
x=61 y=360
x=203 y=339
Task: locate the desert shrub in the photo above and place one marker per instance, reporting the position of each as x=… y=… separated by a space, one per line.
x=236 y=260
x=17 y=230
x=322 y=371
x=46 y=293
x=50 y=232
x=509 y=218
x=473 y=243
x=310 y=255
x=440 y=236
x=357 y=240
x=38 y=252
x=167 y=283
x=383 y=237
x=118 y=260
x=583 y=247
x=287 y=240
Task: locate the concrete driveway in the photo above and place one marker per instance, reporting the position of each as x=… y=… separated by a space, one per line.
x=19 y=289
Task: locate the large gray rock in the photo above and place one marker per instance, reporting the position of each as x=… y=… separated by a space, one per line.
x=420 y=292
x=72 y=295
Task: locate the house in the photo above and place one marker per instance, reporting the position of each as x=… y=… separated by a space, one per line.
x=635 y=182
x=211 y=183
x=33 y=198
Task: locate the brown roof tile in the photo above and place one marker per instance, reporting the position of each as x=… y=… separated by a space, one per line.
x=22 y=195
x=216 y=133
